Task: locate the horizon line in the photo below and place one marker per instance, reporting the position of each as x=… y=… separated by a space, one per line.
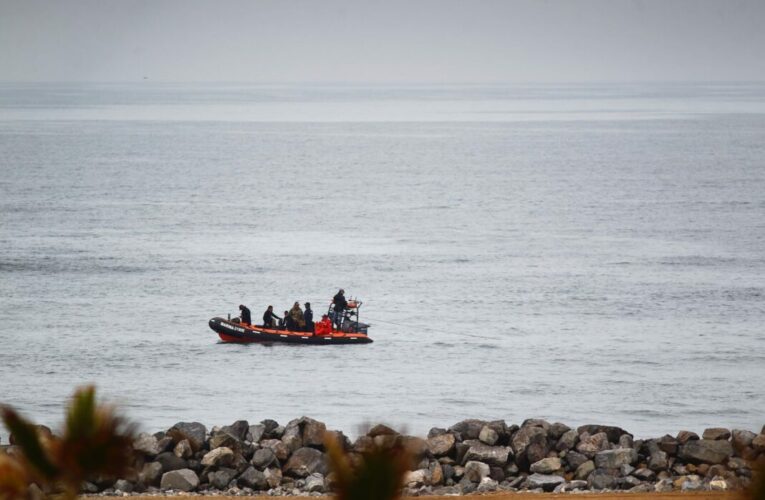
x=326 y=83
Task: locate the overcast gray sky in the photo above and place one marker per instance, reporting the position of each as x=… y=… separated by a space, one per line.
x=358 y=41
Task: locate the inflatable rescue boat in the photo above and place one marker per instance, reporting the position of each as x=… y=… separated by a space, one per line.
x=351 y=330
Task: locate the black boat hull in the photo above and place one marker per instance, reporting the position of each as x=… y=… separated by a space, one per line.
x=229 y=331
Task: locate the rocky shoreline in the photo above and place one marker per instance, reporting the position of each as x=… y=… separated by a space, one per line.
x=471 y=456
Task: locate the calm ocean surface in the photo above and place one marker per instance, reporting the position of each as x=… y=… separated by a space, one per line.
x=585 y=254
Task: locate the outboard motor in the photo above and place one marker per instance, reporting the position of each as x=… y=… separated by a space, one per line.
x=350 y=326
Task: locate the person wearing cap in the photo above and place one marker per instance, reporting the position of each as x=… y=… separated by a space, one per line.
x=268 y=317
x=308 y=317
x=340 y=305
x=246 y=318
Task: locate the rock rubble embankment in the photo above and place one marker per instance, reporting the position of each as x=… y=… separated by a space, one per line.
x=471 y=456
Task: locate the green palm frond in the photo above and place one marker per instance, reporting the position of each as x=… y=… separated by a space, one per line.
x=25 y=435
x=379 y=475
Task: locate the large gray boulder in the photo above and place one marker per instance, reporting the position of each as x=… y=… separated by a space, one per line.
x=487 y=485
x=253 y=478
x=705 y=451
x=476 y=471
x=238 y=429
x=716 y=434
x=488 y=436
x=183 y=449
x=315 y=484
x=547 y=482
x=492 y=455
x=305 y=462
x=567 y=440
x=741 y=439
x=590 y=444
x=441 y=445
x=293 y=436
x=612 y=433
x=146 y=444
x=613 y=459
x=657 y=460
x=529 y=436
x=601 y=479
x=193 y=431
x=271 y=429
x=584 y=470
x=685 y=436
x=150 y=474
x=644 y=474
x=256 y=432
x=263 y=458
x=123 y=485
x=273 y=476
x=222 y=439
x=557 y=430
x=170 y=462
x=276 y=445
x=657 y=457
x=546 y=465
x=180 y=480
x=313 y=433
x=219 y=457
x=574 y=459
x=536 y=422
x=626 y=441
x=221 y=478
x=667 y=444
x=468 y=429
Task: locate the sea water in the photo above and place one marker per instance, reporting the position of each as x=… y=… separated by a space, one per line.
x=580 y=253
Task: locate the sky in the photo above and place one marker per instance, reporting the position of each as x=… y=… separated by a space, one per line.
x=386 y=41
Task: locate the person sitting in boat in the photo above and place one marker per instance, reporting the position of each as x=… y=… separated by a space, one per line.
x=246 y=318
x=340 y=306
x=296 y=315
x=284 y=320
x=269 y=316
x=308 y=317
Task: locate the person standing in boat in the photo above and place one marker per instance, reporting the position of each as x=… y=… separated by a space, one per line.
x=269 y=316
x=246 y=318
x=296 y=315
x=308 y=317
x=340 y=305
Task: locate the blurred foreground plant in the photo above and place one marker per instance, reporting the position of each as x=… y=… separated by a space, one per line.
x=95 y=442
x=377 y=474
x=14 y=478
x=756 y=490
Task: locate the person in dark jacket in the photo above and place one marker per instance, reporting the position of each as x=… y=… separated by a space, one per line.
x=308 y=317
x=246 y=318
x=269 y=316
x=340 y=306
x=283 y=321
